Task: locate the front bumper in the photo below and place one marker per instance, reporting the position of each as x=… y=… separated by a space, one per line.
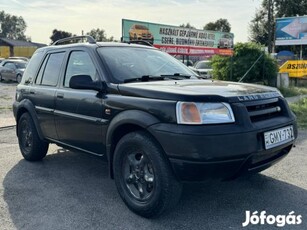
x=198 y=153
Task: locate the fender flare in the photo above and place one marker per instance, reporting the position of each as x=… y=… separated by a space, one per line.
x=136 y=118
x=27 y=106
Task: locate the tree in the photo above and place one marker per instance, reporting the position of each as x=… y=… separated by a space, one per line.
x=12 y=27
x=59 y=34
x=262 y=25
x=245 y=55
x=188 y=25
x=219 y=25
x=99 y=35
x=289 y=8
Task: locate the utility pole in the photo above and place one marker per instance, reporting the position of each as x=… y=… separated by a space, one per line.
x=270 y=14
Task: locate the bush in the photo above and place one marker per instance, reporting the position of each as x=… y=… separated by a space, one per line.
x=245 y=55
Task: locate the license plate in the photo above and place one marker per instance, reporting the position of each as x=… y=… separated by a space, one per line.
x=278 y=137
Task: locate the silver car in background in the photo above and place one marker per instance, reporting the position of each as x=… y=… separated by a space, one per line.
x=203 y=69
x=11 y=69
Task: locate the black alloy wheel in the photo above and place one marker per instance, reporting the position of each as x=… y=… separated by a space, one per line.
x=143 y=176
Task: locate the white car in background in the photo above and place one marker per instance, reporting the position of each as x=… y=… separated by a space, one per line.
x=203 y=69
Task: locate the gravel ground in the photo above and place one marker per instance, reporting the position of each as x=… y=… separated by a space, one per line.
x=7 y=95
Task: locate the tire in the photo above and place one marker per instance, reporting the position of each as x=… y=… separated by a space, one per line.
x=143 y=175
x=31 y=146
x=18 y=78
x=1 y=78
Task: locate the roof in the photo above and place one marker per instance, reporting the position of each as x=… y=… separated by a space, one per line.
x=12 y=42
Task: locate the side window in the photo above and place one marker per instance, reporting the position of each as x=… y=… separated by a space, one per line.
x=41 y=71
x=50 y=70
x=10 y=65
x=30 y=72
x=80 y=63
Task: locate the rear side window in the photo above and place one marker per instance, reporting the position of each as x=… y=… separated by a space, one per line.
x=50 y=71
x=31 y=70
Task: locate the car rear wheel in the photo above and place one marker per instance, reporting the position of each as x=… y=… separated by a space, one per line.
x=31 y=146
x=0 y=77
x=18 y=78
x=143 y=176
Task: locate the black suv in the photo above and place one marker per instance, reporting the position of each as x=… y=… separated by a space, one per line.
x=157 y=124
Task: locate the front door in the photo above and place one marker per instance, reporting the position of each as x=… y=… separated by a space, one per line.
x=78 y=112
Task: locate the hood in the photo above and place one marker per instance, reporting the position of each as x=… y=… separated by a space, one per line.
x=198 y=90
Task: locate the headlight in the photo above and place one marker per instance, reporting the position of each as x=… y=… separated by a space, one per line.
x=204 y=113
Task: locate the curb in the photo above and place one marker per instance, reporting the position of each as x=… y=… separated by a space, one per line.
x=7 y=127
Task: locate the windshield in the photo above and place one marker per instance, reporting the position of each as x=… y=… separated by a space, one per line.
x=133 y=62
x=203 y=65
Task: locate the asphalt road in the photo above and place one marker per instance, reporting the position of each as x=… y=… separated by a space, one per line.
x=71 y=190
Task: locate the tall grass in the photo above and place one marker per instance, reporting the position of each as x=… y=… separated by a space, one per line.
x=293 y=91
x=300 y=110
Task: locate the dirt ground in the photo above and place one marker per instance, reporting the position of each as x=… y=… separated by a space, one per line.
x=7 y=97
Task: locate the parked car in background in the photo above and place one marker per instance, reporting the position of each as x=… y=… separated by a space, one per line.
x=140 y=32
x=20 y=58
x=11 y=69
x=187 y=62
x=203 y=69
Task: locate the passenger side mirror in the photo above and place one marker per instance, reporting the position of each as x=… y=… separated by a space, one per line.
x=84 y=82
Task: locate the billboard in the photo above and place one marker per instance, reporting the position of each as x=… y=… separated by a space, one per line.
x=295 y=68
x=291 y=31
x=179 y=40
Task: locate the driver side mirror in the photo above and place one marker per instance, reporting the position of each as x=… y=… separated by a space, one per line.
x=84 y=82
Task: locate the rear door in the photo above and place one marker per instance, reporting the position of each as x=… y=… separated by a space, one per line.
x=43 y=92
x=78 y=112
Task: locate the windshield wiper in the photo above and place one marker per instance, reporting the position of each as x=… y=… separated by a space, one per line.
x=145 y=78
x=176 y=76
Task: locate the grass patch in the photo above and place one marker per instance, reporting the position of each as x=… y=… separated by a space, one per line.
x=293 y=91
x=300 y=110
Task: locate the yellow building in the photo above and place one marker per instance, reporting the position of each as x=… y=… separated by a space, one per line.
x=11 y=48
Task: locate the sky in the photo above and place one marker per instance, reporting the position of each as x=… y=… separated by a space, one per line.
x=75 y=16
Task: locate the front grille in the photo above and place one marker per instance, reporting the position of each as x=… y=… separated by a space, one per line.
x=263 y=109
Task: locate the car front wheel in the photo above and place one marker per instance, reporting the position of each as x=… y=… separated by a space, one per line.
x=143 y=176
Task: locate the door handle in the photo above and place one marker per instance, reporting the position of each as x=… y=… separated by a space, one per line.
x=60 y=95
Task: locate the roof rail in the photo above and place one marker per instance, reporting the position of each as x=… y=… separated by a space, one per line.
x=140 y=42
x=88 y=38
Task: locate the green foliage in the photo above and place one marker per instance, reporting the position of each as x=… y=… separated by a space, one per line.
x=219 y=25
x=258 y=27
x=99 y=35
x=59 y=34
x=12 y=27
x=188 y=25
x=245 y=55
x=300 y=110
x=293 y=91
x=290 y=8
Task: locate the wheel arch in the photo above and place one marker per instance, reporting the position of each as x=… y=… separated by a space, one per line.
x=124 y=123
x=26 y=106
